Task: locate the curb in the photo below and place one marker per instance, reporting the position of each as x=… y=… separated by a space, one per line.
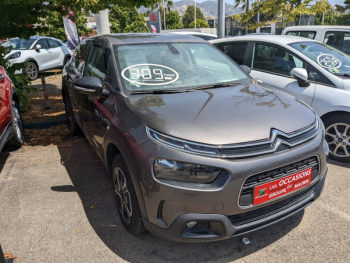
x=44 y=124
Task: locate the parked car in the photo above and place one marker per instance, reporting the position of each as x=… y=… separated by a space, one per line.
x=196 y=149
x=311 y=71
x=41 y=53
x=204 y=36
x=11 y=127
x=335 y=36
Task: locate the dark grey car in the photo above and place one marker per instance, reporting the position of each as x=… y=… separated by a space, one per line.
x=197 y=150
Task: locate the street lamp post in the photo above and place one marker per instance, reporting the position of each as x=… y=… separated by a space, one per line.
x=195 y=14
x=164 y=15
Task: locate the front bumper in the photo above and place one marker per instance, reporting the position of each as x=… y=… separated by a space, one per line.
x=167 y=207
x=232 y=227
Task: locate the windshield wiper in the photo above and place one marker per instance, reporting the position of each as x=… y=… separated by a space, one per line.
x=157 y=91
x=215 y=86
x=342 y=74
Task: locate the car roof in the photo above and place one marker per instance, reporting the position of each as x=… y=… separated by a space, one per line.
x=135 y=38
x=315 y=28
x=277 y=39
x=192 y=33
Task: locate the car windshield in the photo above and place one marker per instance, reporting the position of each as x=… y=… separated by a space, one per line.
x=326 y=56
x=175 y=66
x=19 y=43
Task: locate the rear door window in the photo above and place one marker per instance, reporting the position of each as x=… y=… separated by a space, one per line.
x=236 y=51
x=338 y=39
x=306 y=34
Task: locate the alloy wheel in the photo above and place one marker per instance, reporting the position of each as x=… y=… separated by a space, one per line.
x=32 y=71
x=17 y=121
x=122 y=195
x=338 y=139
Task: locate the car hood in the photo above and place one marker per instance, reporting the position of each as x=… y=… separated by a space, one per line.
x=224 y=115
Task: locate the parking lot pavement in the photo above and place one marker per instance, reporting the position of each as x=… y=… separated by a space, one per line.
x=57 y=205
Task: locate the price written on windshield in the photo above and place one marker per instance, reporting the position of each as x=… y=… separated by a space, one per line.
x=150 y=74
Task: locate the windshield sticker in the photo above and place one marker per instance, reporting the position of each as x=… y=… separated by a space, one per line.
x=328 y=61
x=150 y=74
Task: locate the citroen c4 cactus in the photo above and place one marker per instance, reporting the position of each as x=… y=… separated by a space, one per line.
x=196 y=150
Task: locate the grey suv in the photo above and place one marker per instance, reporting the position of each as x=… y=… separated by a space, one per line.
x=197 y=151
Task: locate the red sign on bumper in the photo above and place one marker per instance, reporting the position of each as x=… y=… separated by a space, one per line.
x=283 y=186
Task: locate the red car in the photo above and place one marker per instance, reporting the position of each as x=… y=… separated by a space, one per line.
x=11 y=125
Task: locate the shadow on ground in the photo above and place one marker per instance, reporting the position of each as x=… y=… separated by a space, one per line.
x=91 y=182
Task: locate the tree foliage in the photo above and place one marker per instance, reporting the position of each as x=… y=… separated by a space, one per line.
x=173 y=20
x=126 y=20
x=21 y=81
x=200 y=23
x=188 y=17
x=289 y=10
x=53 y=25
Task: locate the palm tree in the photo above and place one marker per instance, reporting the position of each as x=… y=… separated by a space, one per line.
x=161 y=6
x=244 y=6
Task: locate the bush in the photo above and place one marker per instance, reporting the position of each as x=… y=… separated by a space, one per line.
x=20 y=81
x=200 y=24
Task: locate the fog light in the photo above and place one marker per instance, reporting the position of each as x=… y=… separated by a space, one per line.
x=191 y=224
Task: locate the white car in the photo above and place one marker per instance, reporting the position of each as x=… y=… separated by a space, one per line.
x=41 y=53
x=335 y=36
x=204 y=36
x=311 y=71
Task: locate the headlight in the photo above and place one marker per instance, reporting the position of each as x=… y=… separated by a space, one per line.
x=14 y=55
x=184 y=172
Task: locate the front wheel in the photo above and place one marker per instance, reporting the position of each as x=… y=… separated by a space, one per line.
x=32 y=71
x=17 y=127
x=125 y=196
x=338 y=137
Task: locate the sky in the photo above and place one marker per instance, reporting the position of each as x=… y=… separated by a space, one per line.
x=332 y=2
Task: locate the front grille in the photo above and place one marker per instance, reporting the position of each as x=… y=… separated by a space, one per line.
x=246 y=197
x=265 y=212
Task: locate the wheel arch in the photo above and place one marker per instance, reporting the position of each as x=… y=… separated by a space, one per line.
x=34 y=61
x=116 y=143
x=327 y=115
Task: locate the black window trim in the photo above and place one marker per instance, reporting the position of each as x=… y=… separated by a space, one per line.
x=305 y=65
x=315 y=32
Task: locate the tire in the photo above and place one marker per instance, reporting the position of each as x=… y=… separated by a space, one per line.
x=17 y=127
x=32 y=71
x=338 y=137
x=125 y=197
x=72 y=124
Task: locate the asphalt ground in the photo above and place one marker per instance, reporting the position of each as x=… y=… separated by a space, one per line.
x=57 y=205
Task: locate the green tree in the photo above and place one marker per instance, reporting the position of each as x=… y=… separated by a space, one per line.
x=200 y=24
x=24 y=18
x=330 y=18
x=188 y=17
x=126 y=19
x=289 y=10
x=53 y=25
x=173 y=20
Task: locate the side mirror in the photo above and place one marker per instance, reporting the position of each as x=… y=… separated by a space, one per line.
x=300 y=74
x=89 y=85
x=37 y=47
x=246 y=69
